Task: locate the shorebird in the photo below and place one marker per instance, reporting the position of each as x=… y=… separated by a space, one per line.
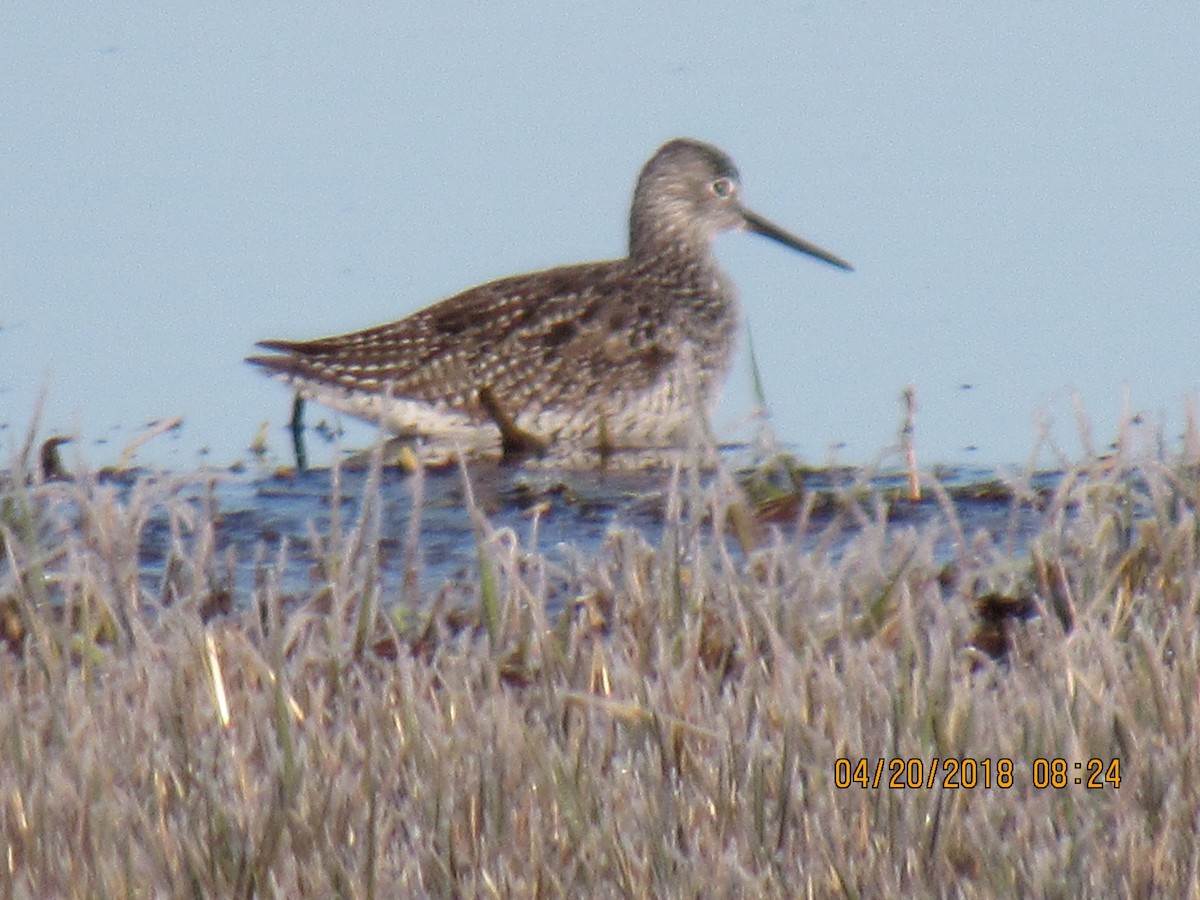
x=597 y=356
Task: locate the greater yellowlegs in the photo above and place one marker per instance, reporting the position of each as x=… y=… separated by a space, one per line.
x=601 y=355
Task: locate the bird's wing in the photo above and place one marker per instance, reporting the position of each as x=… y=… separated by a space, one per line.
x=536 y=340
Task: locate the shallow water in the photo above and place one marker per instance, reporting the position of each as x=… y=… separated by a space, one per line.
x=561 y=514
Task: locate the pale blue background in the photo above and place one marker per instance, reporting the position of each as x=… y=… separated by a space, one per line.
x=1017 y=183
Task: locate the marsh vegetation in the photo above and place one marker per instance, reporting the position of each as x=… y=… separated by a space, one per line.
x=655 y=716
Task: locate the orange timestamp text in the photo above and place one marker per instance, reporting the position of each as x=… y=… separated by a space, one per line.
x=969 y=773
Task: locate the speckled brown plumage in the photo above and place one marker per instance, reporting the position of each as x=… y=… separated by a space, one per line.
x=617 y=353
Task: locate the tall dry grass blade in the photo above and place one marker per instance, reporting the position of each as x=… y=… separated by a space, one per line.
x=364 y=549
x=22 y=466
x=162 y=426
x=908 y=431
x=489 y=588
x=216 y=681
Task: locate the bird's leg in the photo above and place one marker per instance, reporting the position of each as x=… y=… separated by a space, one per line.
x=296 y=426
x=515 y=441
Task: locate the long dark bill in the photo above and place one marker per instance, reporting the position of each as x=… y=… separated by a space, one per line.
x=758 y=224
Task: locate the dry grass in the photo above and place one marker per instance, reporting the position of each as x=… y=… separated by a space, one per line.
x=673 y=732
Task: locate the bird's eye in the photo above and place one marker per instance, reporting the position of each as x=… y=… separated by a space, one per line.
x=722 y=187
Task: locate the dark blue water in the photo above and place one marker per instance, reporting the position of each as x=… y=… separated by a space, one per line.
x=561 y=515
